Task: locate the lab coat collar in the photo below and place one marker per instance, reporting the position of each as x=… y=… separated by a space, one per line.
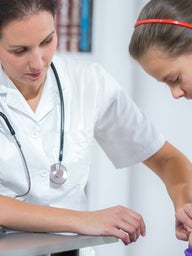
x=14 y=99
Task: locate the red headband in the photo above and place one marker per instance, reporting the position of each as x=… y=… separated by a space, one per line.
x=164 y=21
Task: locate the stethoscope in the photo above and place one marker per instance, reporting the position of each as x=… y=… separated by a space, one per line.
x=58 y=172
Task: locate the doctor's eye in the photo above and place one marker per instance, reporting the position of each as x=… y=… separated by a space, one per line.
x=19 y=51
x=47 y=41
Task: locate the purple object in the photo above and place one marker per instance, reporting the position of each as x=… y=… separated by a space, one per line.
x=188 y=251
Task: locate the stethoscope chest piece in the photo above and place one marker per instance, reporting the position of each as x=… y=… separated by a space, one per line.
x=58 y=173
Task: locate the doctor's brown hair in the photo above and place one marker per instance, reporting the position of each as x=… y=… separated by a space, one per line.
x=11 y=10
x=172 y=39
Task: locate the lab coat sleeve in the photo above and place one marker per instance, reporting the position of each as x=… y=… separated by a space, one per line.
x=122 y=130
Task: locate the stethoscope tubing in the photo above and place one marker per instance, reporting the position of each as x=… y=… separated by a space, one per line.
x=62 y=112
x=13 y=133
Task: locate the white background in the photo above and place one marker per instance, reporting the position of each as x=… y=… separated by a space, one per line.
x=136 y=187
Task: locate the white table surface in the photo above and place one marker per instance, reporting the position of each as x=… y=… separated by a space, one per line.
x=33 y=244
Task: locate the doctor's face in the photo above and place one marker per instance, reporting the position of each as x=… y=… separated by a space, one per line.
x=27 y=47
x=176 y=72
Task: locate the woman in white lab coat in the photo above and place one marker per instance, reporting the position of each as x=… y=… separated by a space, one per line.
x=32 y=139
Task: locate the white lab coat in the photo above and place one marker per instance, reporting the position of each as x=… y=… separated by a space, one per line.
x=95 y=107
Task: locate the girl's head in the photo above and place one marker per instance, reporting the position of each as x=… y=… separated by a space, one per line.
x=165 y=50
x=172 y=39
x=11 y=10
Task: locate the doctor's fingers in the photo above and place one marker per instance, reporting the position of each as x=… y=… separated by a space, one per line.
x=125 y=224
x=127 y=234
x=132 y=225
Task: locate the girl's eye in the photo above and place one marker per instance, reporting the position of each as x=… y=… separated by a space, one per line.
x=173 y=82
x=177 y=80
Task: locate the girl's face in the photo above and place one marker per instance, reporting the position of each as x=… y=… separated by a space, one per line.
x=176 y=72
x=26 y=49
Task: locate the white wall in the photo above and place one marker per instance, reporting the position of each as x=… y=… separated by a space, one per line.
x=109 y=187
x=136 y=187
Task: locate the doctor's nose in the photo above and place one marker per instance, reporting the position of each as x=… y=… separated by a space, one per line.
x=36 y=60
x=177 y=92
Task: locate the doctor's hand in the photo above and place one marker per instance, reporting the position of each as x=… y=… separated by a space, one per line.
x=184 y=222
x=117 y=221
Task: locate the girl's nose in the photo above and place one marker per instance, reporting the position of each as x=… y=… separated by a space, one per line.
x=177 y=92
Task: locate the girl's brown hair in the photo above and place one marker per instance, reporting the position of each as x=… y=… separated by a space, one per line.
x=173 y=39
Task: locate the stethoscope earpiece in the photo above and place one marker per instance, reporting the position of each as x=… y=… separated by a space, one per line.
x=58 y=173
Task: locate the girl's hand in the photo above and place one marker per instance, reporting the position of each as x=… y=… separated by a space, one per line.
x=184 y=222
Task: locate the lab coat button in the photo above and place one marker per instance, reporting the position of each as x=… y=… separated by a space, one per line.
x=44 y=173
x=35 y=134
